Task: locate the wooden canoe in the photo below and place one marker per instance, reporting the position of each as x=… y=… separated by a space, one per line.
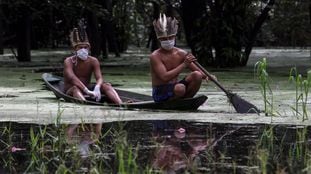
x=131 y=100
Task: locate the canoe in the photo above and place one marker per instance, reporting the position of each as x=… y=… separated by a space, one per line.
x=131 y=100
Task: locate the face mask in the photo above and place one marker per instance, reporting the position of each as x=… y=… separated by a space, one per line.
x=83 y=54
x=168 y=44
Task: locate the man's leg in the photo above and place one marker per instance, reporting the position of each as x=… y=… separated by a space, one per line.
x=179 y=90
x=70 y=131
x=111 y=93
x=98 y=129
x=194 y=80
x=76 y=93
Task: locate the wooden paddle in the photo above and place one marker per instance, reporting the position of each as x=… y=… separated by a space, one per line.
x=239 y=104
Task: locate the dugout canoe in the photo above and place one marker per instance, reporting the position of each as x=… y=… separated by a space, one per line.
x=131 y=100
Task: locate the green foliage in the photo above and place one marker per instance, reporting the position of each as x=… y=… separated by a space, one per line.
x=6 y=140
x=290 y=24
x=266 y=91
x=302 y=87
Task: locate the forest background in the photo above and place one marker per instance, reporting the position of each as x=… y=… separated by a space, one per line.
x=219 y=33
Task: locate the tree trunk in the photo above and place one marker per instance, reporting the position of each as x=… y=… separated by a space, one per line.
x=108 y=39
x=255 y=30
x=51 y=28
x=24 y=37
x=152 y=39
x=1 y=30
x=192 y=12
x=93 y=33
x=108 y=36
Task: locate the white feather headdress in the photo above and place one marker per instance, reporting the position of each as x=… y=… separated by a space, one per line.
x=165 y=26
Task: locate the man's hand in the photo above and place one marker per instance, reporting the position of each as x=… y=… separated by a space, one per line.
x=97 y=93
x=213 y=76
x=88 y=92
x=189 y=59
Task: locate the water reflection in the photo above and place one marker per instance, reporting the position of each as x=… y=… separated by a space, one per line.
x=84 y=135
x=178 y=146
x=166 y=146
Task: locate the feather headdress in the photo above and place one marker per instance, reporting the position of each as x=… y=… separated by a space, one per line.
x=78 y=35
x=165 y=26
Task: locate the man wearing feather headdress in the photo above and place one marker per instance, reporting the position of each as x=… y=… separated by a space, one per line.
x=168 y=62
x=78 y=70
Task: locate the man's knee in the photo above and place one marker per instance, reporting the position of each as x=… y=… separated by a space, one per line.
x=72 y=90
x=75 y=88
x=179 y=90
x=106 y=86
x=196 y=76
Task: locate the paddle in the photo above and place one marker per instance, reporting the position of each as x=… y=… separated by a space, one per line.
x=239 y=104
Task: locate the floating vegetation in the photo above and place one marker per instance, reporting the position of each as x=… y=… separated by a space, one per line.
x=7 y=96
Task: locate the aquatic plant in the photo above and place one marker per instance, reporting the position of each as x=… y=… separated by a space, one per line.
x=267 y=138
x=308 y=163
x=265 y=148
x=266 y=91
x=62 y=169
x=302 y=87
x=263 y=156
x=8 y=142
x=299 y=150
x=125 y=155
x=301 y=139
x=306 y=87
x=34 y=151
x=295 y=77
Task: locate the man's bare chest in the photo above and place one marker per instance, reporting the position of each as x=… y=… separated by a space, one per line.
x=83 y=71
x=171 y=62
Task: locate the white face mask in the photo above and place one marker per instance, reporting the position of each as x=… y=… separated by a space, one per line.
x=168 y=44
x=83 y=53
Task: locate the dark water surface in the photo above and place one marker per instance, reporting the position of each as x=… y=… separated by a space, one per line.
x=155 y=147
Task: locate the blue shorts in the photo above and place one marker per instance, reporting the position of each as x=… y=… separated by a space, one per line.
x=164 y=92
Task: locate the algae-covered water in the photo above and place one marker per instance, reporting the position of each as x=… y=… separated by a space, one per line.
x=23 y=97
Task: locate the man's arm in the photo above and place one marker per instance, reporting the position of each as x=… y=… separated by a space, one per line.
x=161 y=71
x=97 y=71
x=98 y=77
x=193 y=67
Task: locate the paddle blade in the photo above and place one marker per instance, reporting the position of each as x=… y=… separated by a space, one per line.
x=242 y=106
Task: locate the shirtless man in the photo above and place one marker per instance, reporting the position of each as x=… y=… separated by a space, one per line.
x=78 y=70
x=168 y=62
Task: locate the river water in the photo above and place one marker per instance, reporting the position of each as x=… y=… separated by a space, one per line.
x=157 y=147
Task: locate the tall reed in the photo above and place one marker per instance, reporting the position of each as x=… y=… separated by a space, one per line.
x=302 y=88
x=261 y=71
x=7 y=136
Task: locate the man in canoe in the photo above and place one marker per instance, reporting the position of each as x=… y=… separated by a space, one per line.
x=168 y=62
x=78 y=70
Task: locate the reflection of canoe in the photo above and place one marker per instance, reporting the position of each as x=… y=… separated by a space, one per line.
x=131 y=99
